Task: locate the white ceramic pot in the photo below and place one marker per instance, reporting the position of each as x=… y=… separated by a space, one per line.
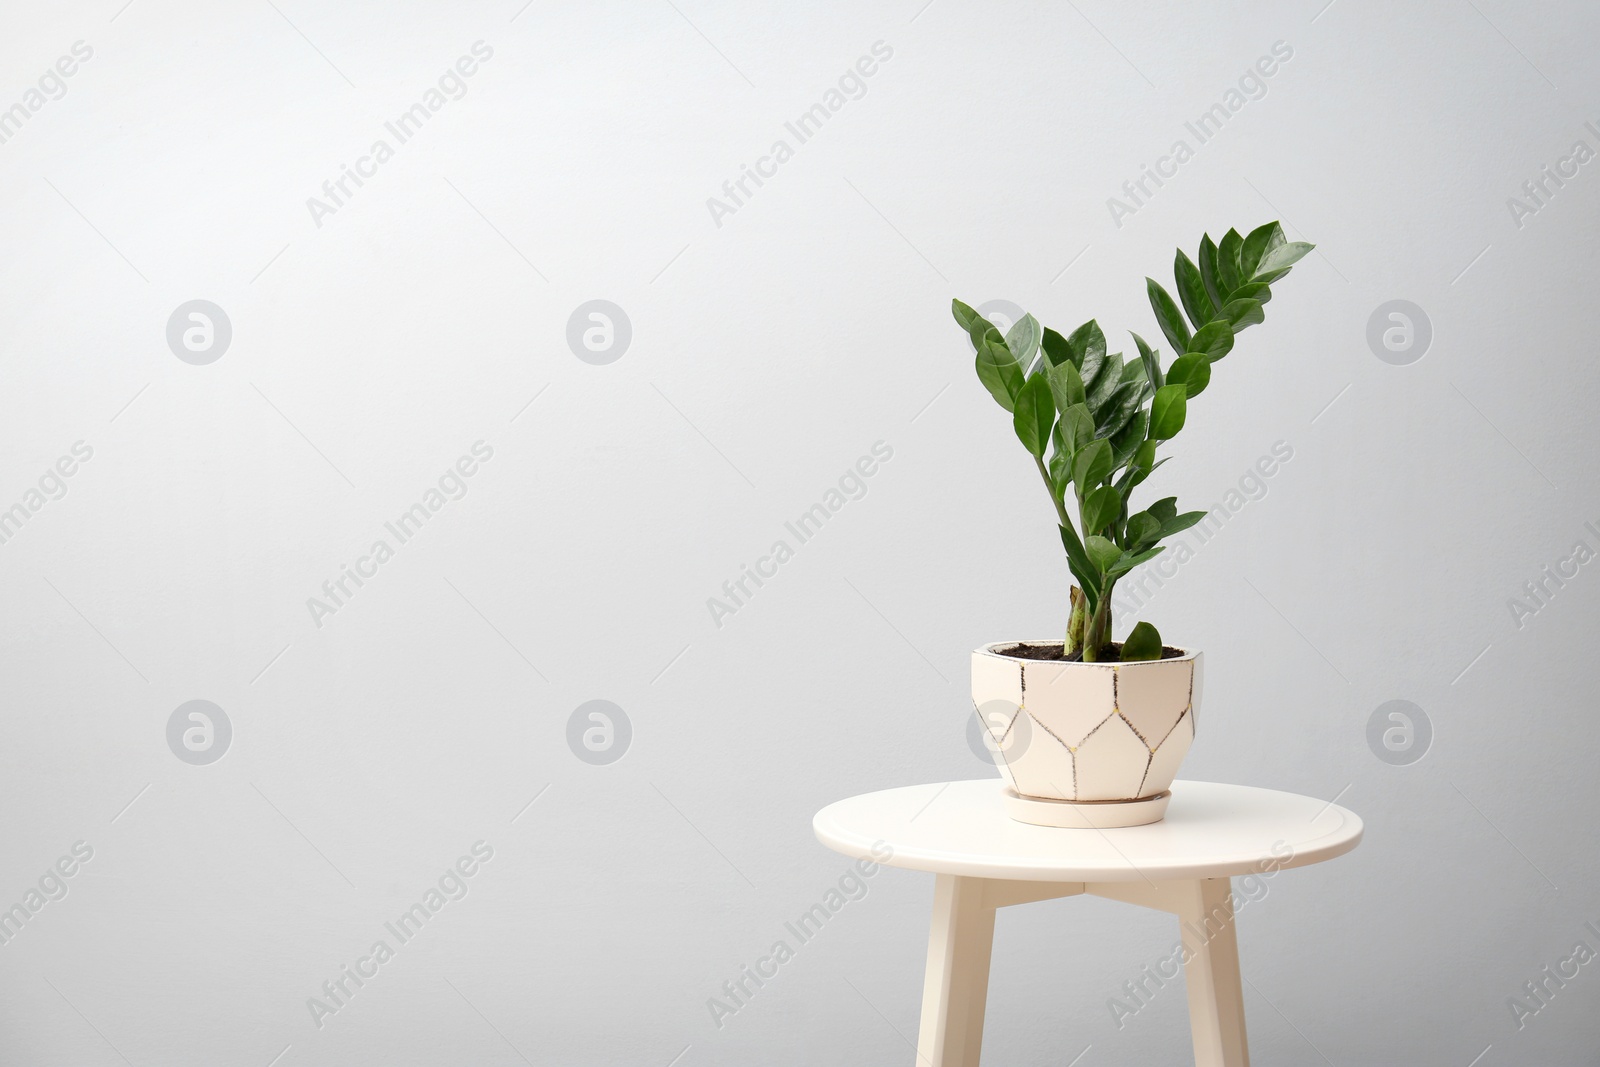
x=1086 y=744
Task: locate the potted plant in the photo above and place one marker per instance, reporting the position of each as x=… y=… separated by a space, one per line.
x=1089 y=731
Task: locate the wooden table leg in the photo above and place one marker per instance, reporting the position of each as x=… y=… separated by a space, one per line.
x=956 y=984
x=1211 y=971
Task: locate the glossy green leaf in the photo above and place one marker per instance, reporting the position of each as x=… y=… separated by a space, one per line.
x=1060 y=466
x=1258 y=243
x=1106 y=383
x=1023 y=340
x=1151 y=360
x=1101 y=551
x=1091 y=466
x=1126 y=441
x=1167 y=412
x=1242 y=313
x=975 y=324
x=999 y=373
x=1214 y=341
x=1180 y=523
x=1229 y=274
x=1085 y=343
x=1101 y=508
x=1034 y=415
x=1136 y=474
x=1173 y=327
x=1077 y=427
x=1285 y=255
x=1056 y=349
x=1065 y=384
x=1143 y=643
x=966 y=316
x=1142 y=528
x=1129 y=560
x=1192 y=370
x=1164 y=509
x=1208 y=270
x=1192 y=291
x=1124 y=404
x=1257 y=291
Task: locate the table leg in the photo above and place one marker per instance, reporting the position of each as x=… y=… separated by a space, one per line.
x=1211 y=971
x=956 y=984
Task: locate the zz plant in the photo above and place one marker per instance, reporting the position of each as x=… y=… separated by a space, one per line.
x=1094 y=422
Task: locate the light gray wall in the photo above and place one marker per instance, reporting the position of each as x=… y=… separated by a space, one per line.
x=772 y=346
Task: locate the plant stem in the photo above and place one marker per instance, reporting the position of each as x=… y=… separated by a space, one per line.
x=1097 y=634
x=1050 y=487
x=1075 y=622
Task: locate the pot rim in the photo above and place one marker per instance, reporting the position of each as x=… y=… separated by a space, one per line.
x=1189 y=654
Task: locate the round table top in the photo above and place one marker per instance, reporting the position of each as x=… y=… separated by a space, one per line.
x=1211 y=831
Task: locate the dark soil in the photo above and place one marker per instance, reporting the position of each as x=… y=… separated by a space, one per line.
x=1052 y=652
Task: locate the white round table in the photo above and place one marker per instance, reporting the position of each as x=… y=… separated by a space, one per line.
x=1184 y=865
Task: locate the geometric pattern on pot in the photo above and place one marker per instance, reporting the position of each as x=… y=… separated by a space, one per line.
x=1087 y=731
x=1165 y=760
x=1153 y=697
x=1111 y=763
x=1070 y=700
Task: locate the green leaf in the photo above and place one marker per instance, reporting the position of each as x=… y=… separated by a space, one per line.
x=1152 y=362
x=1134 y=475
x=1257 y=291
x=1142 y=462
x=1106 y=383
x=1124 y=404
x=1192 y=370
x=1172 y=324
x=1034 y=415
x=1286 y=255
x=1023 y=340
x=1101 y=551
x=1208 y=270
x=999 y=373
x=1127 y=561
x=1142 y=529
x=1214 y=340
x=1065 y=384
x=1192 y=291
x=975 y=324
x=1242 y=313
x=1091 y=465
x=1077 y=427
x=1180 y=523
x=1086 y=342
x=1055 y=347
x=1142 y=643
x=1093 y=364
x=1167 y=412
x=1133 y=370
x=1060 y=466
x=1101 y=508
x=1229 y=274
x=1261 y=240
x=1083 y=567
x=1126 y=441
x=1088 y=347
x=1165 y=508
